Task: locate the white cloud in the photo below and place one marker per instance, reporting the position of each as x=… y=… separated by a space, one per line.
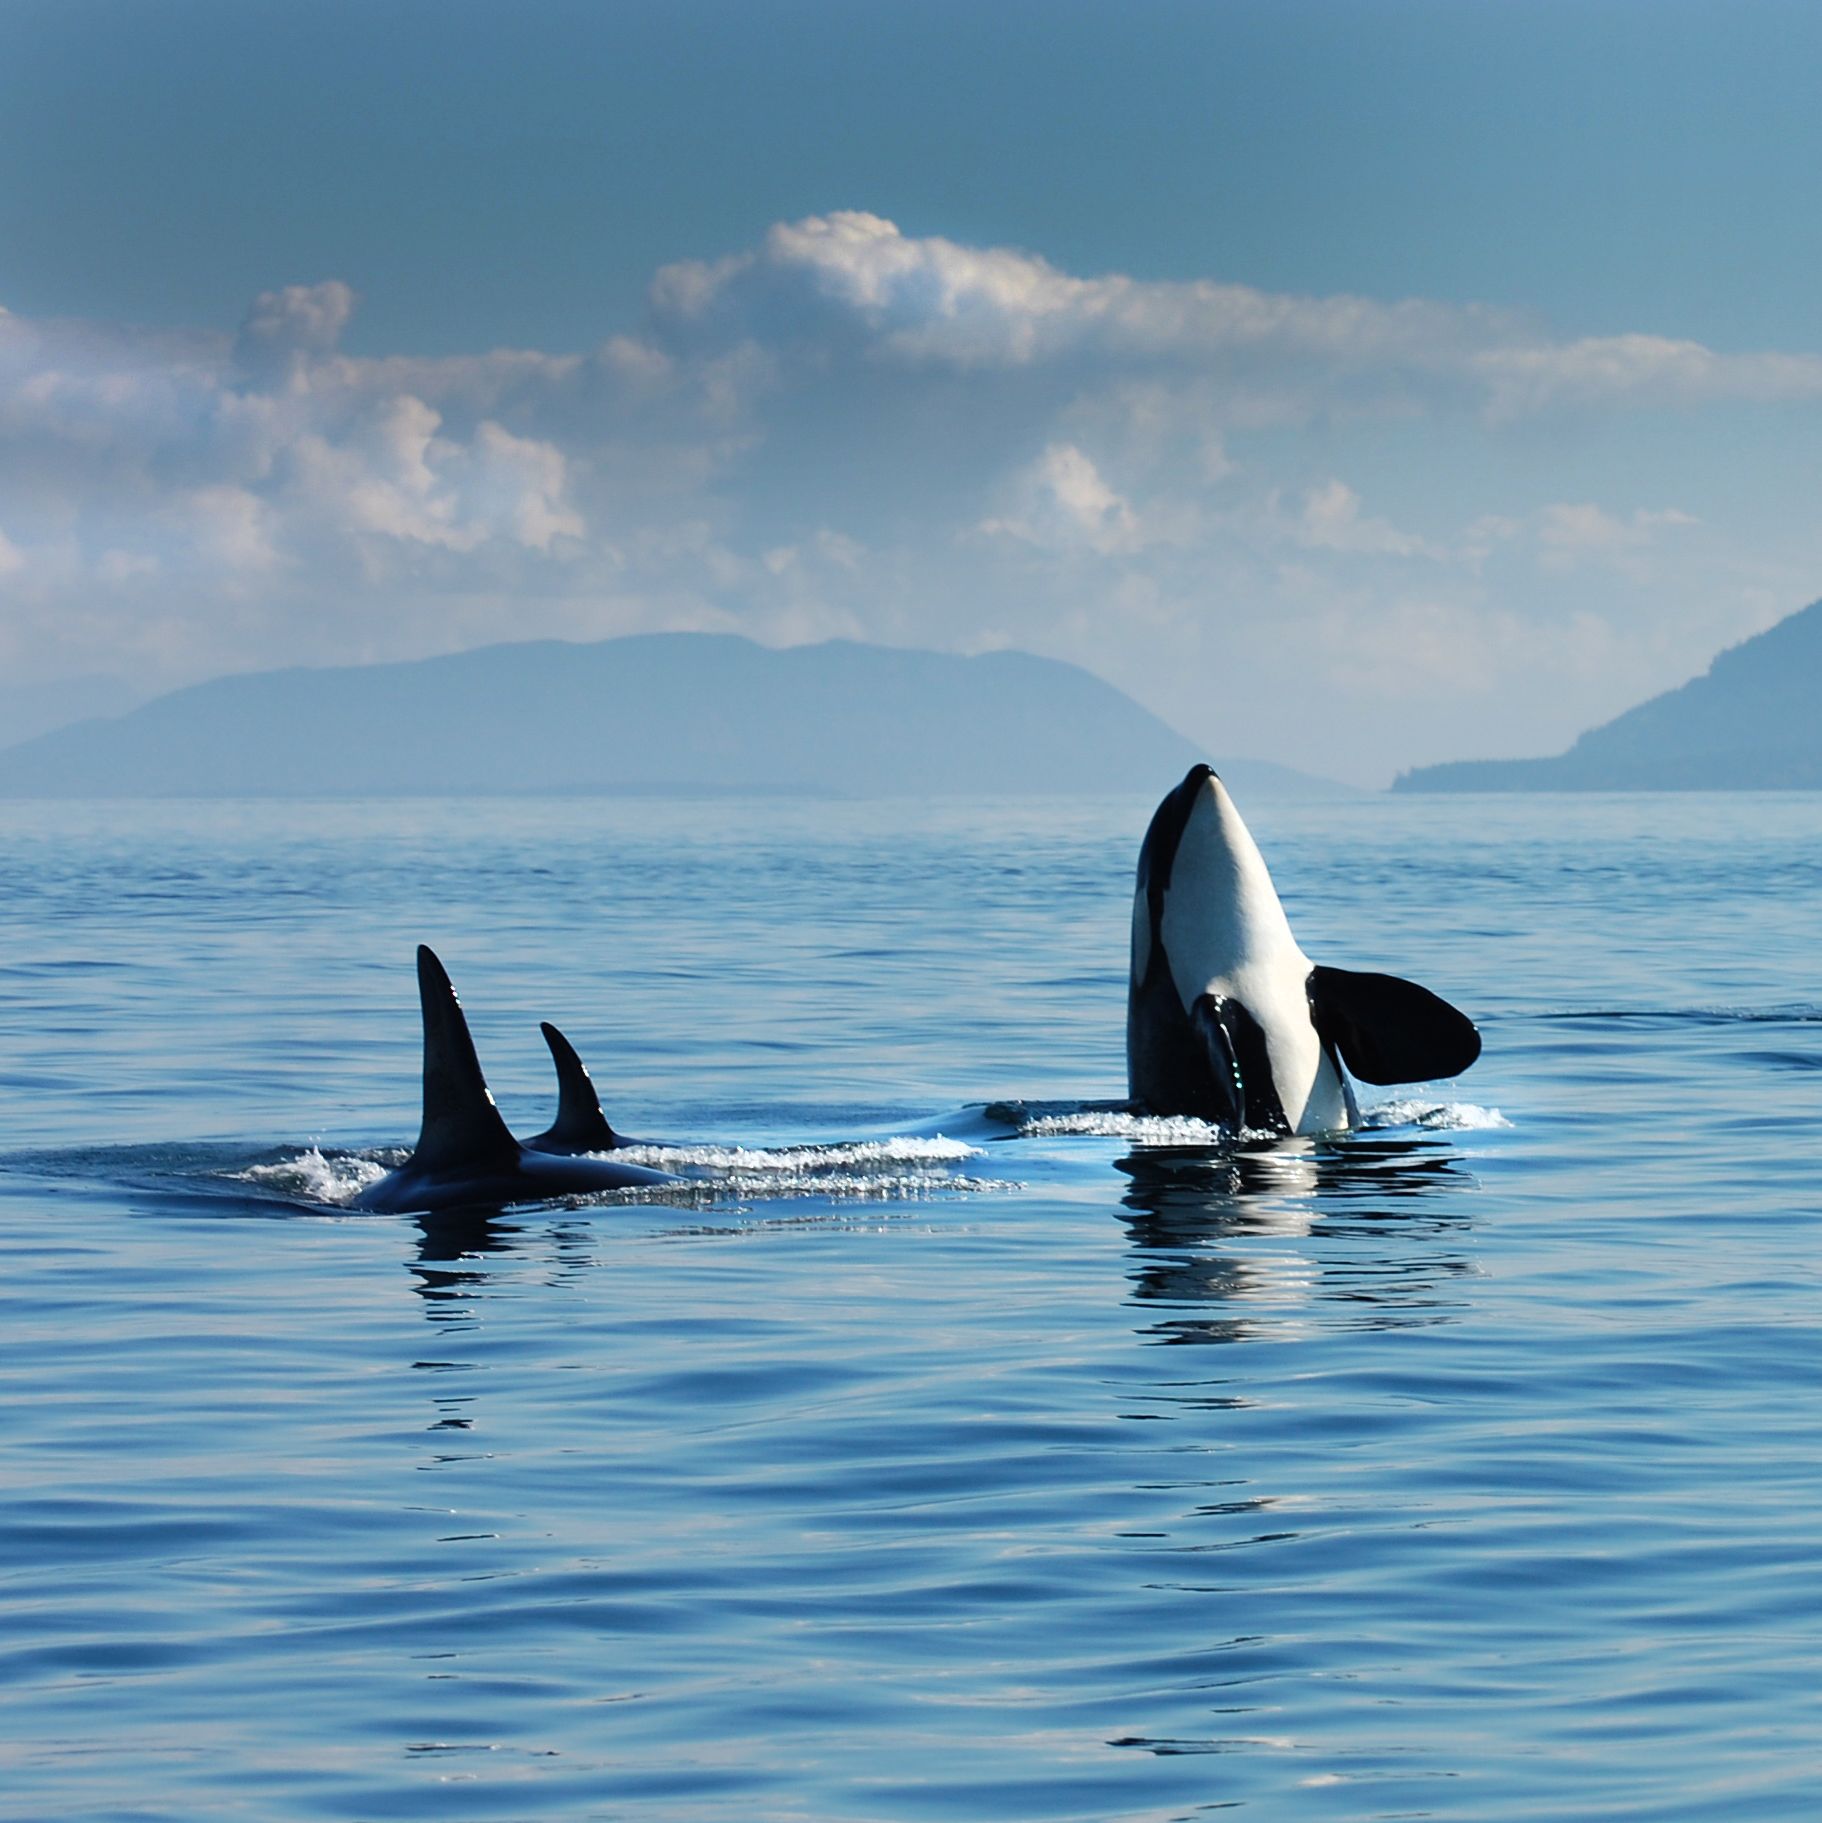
x=1640 y=370
x=847 y=429
x=517 y=486
x=120 y=568
x=934 y=300
x=855 y=277
x=285 y=328
x=227 y=526
x=1063 y=503
x=1570 y=534
x=1331 y=520
x=1587 y=527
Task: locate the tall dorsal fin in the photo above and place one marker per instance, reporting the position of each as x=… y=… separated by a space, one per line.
x=462 y=1127
x=580 y=1125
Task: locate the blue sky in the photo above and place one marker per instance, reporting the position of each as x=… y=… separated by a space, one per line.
x=1356 y=384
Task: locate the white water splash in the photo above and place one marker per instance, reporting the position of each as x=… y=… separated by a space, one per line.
x=1185 y=1130
x=870 y=1170
x=1438 y=1117
x=914 y=1153
x=882 y=1170
x=316 y=1177
x=1141 y=1129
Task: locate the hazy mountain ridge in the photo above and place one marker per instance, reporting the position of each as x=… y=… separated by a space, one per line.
x=1748 y=723
x=28 y=710
x=649 y=713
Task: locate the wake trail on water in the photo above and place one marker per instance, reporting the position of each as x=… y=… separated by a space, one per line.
x=902 y=1166
x=1434 y=1117
x=877 y=1170
x=940 y=1162
x=1097 y=1120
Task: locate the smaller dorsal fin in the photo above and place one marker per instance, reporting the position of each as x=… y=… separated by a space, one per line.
x=462 y=1127
x=580 y=1125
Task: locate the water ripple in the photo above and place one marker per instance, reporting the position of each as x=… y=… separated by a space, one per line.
x=1461 y=1466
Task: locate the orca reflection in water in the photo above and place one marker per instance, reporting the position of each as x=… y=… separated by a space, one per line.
x=1227 y=1019
x=1233 y=1246
x=465 y=1158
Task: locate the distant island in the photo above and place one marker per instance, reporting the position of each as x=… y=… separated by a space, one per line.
x=652 y=713
x=1750 y=722
x=31 y=709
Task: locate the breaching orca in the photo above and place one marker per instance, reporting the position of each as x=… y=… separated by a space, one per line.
x=465 y=1158
x=1227 y=1019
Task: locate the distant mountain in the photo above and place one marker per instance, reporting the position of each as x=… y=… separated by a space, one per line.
x=30 y=709
x=1251 y=780
x=1750 y=722
x=665 y=712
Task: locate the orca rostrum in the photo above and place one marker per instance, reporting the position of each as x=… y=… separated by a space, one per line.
x=1227 y=1019
x=465 y=1158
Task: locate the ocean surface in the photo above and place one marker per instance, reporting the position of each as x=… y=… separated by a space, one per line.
x=949 y=1447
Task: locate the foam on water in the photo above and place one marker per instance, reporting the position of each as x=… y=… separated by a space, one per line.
x=1141 y=1129
x=871 y=1170
x=1184 y=1130
x=1437 y=1117
x=909 y=1151
x=315 y=1176
x=905 y=1166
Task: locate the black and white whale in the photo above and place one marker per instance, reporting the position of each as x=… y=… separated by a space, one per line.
x=1227 y=1019
x=465 y=1158
x=580 y=1125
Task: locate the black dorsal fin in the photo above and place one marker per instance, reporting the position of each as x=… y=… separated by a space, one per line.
x=580 y=1125
x=462 y=1127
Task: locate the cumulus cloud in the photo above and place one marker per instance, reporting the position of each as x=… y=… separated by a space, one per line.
x=228 y=527
x=856 y=277
x=934 y=300
x=272 y=453
x=848 y=429
x=1331 y=520
x=283 y=329
x=393 y=478
x=1063 y=502
x=1638 y=369
x=1573 y=533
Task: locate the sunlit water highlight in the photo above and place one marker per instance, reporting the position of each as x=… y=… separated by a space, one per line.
x=952 y=1444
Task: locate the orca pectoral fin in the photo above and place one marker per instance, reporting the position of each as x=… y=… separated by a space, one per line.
x=1208 y=1020
x=462 y=1129
x=580 y=1125
x=1390 y=1030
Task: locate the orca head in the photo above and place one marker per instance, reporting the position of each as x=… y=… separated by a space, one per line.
x=1204 y=895
x=1226 y=1017
x=1217 y=1010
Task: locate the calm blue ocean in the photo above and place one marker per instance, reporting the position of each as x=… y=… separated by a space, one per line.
x=951 y=1450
